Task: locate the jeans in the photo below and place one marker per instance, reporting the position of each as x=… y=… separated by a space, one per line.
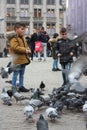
x=55 y=63
x=39 y=55
x=20 y=71
x=44 y=45
x=66 y=67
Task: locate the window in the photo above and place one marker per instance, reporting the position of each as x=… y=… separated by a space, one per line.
x=50 y=2
x=24 y=12
x=10 y=1
x=37 y=2
x=24 y=1
x=37 y=13
x=60 y=2
x=51 y=28
x=37 y=25
x=50 y=13
x=10 y=26
x=10 y=12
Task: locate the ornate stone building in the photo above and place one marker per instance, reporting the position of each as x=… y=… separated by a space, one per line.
x=34 y=13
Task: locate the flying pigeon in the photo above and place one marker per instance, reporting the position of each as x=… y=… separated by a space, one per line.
x=7 y=70
x=77 y=69
x=5 y=98
x=52 y=113
x=85 y=107
x=10 y=82
x=29 y=112
x=42 y=124
x=42 y=85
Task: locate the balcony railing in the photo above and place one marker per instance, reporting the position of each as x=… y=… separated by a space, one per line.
x=38 y=18
x=11 y=18
x=24 y=18
x=51 y=19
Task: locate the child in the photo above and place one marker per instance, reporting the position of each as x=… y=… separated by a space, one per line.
x=54 y=55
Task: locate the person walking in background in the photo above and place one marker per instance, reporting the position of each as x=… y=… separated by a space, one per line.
x=20 y=51
x=54 y=55
x=65 y=51
x=76 y=46
x=43 y=37
x=33 y=39
x=5 y=51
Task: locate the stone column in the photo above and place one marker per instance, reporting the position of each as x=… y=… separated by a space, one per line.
x=31 y=15
x=2 y=16
x=17 y=10
x=44 y=11
x=57 y=15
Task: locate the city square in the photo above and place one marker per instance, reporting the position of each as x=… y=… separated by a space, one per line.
x=51 y=35
x=13 y=118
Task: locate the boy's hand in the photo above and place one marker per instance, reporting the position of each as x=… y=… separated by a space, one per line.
x=59 y=54
x=28 y=51
x=71 y=53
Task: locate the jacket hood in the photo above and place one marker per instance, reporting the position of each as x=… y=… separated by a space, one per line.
x=10 y=35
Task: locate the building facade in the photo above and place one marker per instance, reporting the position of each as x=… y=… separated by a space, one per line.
x=77 y=16
x=34 y=13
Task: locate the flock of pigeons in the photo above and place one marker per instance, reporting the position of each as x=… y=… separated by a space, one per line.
x=73 y=95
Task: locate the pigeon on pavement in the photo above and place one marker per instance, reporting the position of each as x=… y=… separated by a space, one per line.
x=52 y=113
x=42 y=85
x=18 y=96
x=5 y=98
x=42 y=124
x=29 y=112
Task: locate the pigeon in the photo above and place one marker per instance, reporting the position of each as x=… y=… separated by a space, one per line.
x=77 y=70
x=10 y=93
x=46 y=99
x=69 y=102
x=29 y=112
x=18 y=96
x=8 y=81
x=4 y=72
x=85 y=107
x=52 y=113
x=5 y=98
x=42 y=124
x=36 y=103
x=36 y=94
x=8 y=70
x=85 y=72
x=42 y=85
x=59 y=104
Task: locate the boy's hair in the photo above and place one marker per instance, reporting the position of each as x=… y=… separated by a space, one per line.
x=63 y=30
x=55 y=35
x=18 y=25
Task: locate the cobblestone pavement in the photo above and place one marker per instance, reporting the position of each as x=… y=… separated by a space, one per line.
x=13 y=118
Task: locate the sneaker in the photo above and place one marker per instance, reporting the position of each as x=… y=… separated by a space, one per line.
x=63 y=84
x=23 y=89
x=58 y=69
x=53 y=69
